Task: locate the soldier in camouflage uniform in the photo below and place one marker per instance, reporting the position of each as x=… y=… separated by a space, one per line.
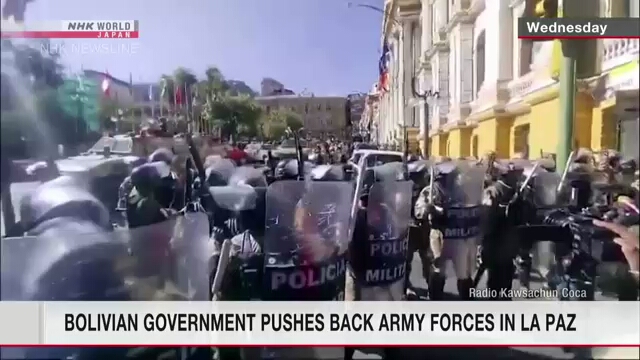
x=497 y=252
x=419 y=228
x=425 y=211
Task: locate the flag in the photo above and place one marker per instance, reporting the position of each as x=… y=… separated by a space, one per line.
x=131 y=84
x=163 y=93
x=383 y=68
x=178 y=96
x=106 y=85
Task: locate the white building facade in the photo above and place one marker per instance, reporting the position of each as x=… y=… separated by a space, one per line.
x=497 y=92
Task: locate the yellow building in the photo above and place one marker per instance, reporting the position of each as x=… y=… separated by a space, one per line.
x=510 y=103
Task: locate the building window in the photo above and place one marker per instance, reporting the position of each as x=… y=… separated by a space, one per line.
x=434 y=27
x=319 y=107
x=328 y=107
x=268 y=109
x=480 y=63
x=306 y=108
x=293 y=108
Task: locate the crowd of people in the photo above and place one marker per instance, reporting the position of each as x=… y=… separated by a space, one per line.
x=156 y=191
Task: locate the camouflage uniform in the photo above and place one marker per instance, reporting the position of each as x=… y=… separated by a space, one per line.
x=497 y=252
x=418 y=231
x=583 y=161
x=441 y=251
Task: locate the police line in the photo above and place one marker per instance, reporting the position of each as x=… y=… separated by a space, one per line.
x=481 y=323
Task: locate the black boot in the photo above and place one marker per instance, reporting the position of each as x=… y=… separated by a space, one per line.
x=464 y=288
x=436 y=286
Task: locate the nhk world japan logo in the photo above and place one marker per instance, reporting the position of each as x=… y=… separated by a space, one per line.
x=72 y=29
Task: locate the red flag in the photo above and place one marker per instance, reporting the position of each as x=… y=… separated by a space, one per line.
x=106 y=85
x=179 y=96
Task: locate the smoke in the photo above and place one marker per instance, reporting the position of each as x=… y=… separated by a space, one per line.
x=15 y=9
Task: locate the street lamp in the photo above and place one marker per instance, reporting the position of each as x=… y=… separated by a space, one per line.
x=425 y=116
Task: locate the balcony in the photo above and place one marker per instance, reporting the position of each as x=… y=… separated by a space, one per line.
x=618 y=52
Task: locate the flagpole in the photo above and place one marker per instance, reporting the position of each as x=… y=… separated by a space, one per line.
x=186 y=104
x=175 y=100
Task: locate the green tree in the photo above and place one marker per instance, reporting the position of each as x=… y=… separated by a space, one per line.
x=233 y=115
x=277 y=122
x=31 y=111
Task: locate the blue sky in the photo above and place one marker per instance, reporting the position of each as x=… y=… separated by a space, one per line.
x=321 y=45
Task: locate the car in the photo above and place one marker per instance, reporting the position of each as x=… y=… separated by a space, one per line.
x=377 y=157
x=287 y=149
x=101 y=169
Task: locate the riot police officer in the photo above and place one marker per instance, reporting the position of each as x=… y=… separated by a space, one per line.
x=126 y=186
x=167 y=189
x=67 y=223
x=143 y=207
x=287 y=169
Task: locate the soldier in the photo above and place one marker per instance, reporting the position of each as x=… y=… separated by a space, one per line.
x=67 y=237
x=489 y=161
x=496 y=243
x=583 y=161
x=454 y=228
x=419 y=229
x=142 y=206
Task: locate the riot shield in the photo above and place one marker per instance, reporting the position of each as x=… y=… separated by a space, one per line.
x=544 y=187
x=306 y=240
x=388 y=218
x=219 y=172
x=463 y=184
x=462 y=194
x=164 y=261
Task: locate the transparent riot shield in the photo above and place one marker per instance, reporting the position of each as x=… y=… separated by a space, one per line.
x=164 y=261
x=388 y=218
x=464 y=184
x=306 y=240
x=544 y=186
x=219 y=171
x=460 y=232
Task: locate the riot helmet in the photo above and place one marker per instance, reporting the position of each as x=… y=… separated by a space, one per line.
x=287 y=169
x=62 y=198
x=315 y=158
x=161 y=154
x=146 y=178
x=218 y=173
x=419 y=172
x=328 y=173
x=248 y=175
